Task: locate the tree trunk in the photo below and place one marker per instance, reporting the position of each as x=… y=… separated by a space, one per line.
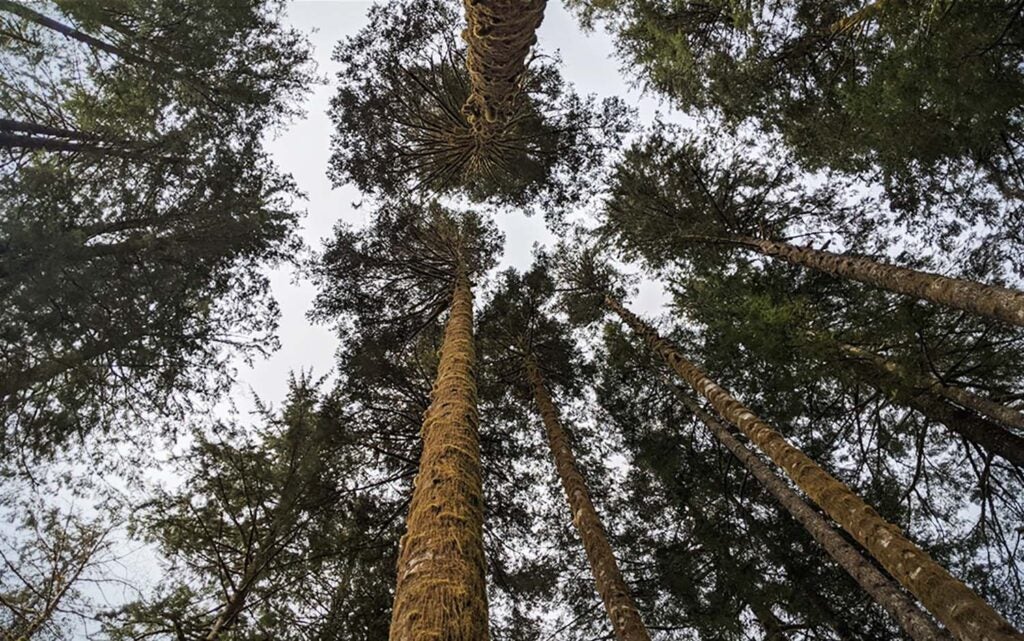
x=16 y=134
x=879 y=587
x=498 y=35
x=931 y=384
x=31 y=15
x=848 y=23
x=1000 y=303
x=966 y=615
x=441 y=592
x=917 y=395
x=615 y=594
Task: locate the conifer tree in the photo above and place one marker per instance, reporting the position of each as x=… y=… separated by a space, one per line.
x=139 y=206
x=415 y=263
x=263 y=532
x=526 y=347
x=848 y=85
x=954 y=604
x=666 y=197
x=400 y=126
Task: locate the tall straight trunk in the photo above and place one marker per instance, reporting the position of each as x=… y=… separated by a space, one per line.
x=966 y=614
x=441 y=592
x=1000 y=303
x=933 y=385
x=879 y=587
x=990 y=436
x=498 y=35
x=615 y=594
x=16 y=134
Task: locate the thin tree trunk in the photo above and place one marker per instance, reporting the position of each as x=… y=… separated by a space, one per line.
x=991 y=436
x=498 y=35
x=15 y=134
x=441 y=593
x=615 y=594
x=932 y=384
x=31 y=15
x=879 y=587
x=966 y=614
x=1000 y=303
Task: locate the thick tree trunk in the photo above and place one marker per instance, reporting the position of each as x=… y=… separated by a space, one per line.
x=441 y=591
x=498 y=35
x=931 y=384
x=615 y=594
x=966 y=614
x=917 y=395
x=1000 y=303
x=879 y=587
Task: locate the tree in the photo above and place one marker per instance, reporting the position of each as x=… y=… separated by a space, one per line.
x=400 y=127
x=265 y=533
x=42 y=575
x=666 y=197
x=498 y=35
x=523 y=342
x=729 y=560
x=416 y=262
x=139 y=206
x=846 y=84
x=955 y=605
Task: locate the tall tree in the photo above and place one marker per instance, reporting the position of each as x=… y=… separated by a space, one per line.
x=400 y=126
x=498 y=35
x=955 y=605
x=416 y=262
x=136 y=229
x=264 y=532
x=848 y=84
x=526 y=347
x=668 y=196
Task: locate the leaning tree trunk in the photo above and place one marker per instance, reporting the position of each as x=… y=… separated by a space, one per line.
x=966 y=614
x=933 y=385
x=27 y=13
x=498 y=35
x=875 y=371
x=879 y=587
x=441 y=592
x=1001 y=303
x=615 y=595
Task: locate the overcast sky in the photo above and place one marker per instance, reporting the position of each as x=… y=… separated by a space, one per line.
x=303 y=150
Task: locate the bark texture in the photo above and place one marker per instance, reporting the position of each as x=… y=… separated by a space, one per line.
x=441 y=594
x=615 y=594
x=962 y=611
x=1001 y=303
x=932 y=384
x=498 y=35
x=916 y=394
x=879 y=587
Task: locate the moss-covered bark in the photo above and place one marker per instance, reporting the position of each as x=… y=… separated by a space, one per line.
x=498 y=35
x=966 y=614
x=902 y=608
x=1001 y=303
x=441 y=592
x=931 y=385
x=615 y=594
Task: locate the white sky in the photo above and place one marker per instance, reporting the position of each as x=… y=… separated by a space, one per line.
x=304 y=149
